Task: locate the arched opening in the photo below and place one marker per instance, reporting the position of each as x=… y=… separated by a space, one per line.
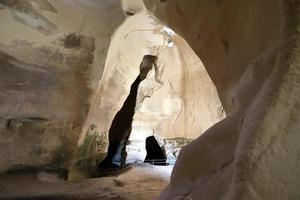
x=176 y=102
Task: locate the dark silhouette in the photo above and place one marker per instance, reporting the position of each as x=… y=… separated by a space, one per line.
x=155 y=154
x=121 y=126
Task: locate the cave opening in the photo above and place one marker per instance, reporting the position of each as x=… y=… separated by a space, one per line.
x=121 y=126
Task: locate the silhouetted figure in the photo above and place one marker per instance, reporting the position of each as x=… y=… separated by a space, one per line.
x=121 y=126
x=155 y=154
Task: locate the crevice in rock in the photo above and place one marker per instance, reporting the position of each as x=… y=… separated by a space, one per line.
x=121 y=126
x=129 y=13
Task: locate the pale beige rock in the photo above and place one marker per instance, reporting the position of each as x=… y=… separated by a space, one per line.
x=250 y=49
x=56 y=94
x=52 y=56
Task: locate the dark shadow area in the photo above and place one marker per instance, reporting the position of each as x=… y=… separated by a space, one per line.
x=155 y=154
x=121 y=126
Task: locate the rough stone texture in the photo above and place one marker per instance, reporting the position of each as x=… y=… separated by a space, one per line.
x=52 y=57
x=251 y=51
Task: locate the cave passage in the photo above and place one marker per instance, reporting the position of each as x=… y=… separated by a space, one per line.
x=121 y=126
x=155 y=154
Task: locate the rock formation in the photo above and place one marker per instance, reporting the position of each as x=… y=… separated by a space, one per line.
x=251 y=51
x=227 y=78
x=52 y=55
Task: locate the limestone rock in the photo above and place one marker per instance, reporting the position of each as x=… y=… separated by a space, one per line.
x=250 y=50
x=52 y=57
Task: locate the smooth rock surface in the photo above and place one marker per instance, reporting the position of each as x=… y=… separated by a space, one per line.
x=251 y=52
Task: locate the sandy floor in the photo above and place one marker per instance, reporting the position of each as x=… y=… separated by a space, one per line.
x=141 y=182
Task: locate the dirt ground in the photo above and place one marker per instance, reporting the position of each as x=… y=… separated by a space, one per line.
x=140 y=182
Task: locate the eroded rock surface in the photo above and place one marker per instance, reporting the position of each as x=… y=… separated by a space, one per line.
x=250 y=50
x=52 y=56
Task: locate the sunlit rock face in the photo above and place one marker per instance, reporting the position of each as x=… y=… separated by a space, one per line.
x=172 y=97
x=52 y=57
x=177 y=99
x=251 y=51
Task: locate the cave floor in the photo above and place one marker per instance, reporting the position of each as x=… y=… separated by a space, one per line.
x=140 y=182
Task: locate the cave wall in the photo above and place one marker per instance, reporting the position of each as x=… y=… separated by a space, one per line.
x=250 y=50
x=223 y=35
x=52 y=57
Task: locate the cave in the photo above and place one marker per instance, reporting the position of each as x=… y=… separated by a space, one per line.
x=149 y=99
